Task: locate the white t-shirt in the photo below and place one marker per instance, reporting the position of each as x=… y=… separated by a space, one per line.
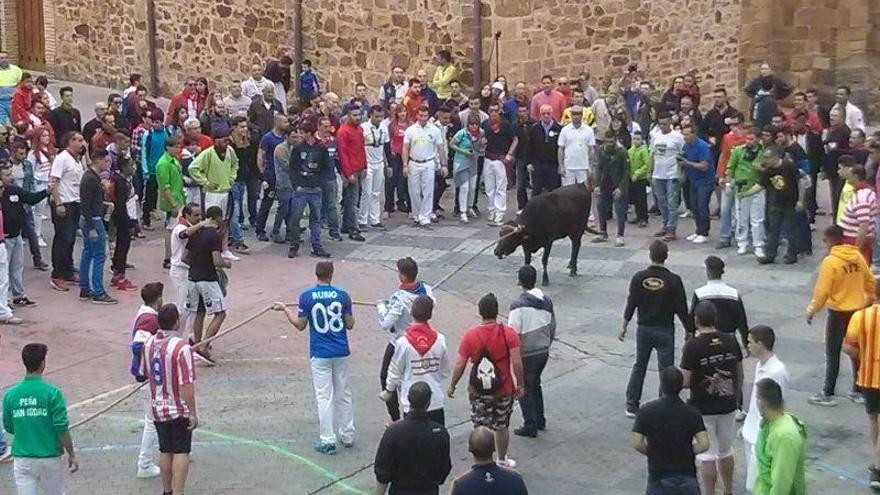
x=68 y=172
x=178 y=247
x=775 y=370
x=41 y=168
x=576 y=142
x=423 y=141
x=375 y=138
x=665 y=149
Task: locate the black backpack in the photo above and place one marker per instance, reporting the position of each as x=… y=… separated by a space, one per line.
x=485 y=379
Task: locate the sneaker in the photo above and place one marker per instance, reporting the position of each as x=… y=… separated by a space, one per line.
x=126 y=285
x=166 y=264
x=473 y=212
x=243 y=225
x=336 y=237
x=85 y=294
x=660 y=233
x=700 y=239
x=821 y=399
x=619 y=242
x=599 y=238
x=629 y=414
x=492 y=222
x=742 y=250
x=24 y=301
x=357 y=237
x=507 y=462
x=686 y=214
x=262 y=237
x=669 y=237
x=464 y=219
x=740 y=415
x=759 y=252
x=293 y=251
x=722 y=245
x=320 y=253
x=241 y=248
x=11 y=320
x=41 y=265
x=349 y=444
x=855 y=397
x=523 y=432
x=379 y=226
x=642 y=224
x=148 y=228
x=362 y=226
x=789 y=261
x=227 y=255
x=150 y=471
x=59 y=284
x=875 y=478
x=691 y=237
x=104 y=299
x=325 y=448
x=766 y=260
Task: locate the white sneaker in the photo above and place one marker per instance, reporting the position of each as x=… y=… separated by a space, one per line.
x=691 y=237
x=41 y=242
x=686 y=214
x=759 y=252
x=464 y=218
x=742 y=250
x=700 y=239
x=228 y=256
x=149 y=472
x=471 y=213
x=619 y=242
x=507 y=462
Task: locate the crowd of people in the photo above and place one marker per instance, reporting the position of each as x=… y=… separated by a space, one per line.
x=219 y=160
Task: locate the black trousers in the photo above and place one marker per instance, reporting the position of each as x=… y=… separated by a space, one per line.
x=396 y=185
x=123 y=244
x=253 y=185
x=781 y=219
x=545 y=178
x=150 y=196
x=522 y=183
x=393 y=405
x=835 y=331
x=265 y=207
x=638 y=197
x=64 y=240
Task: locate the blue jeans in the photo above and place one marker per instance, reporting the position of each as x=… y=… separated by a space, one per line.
x=29 y=232
x=93 y=255
x=329 y=209
x=303 y=196
x=15 y=253
x=606 y=201
x=648 y=339
x=700 y=194
x=282 y=214
x=678 y=484
x=668 y=192
x=726 y=217
x=234 y=211
x=2 y=436
x=532 y=403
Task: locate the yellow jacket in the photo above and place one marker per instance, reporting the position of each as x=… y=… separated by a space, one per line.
x=442 y=77
x=845 y=283
x=589 y=117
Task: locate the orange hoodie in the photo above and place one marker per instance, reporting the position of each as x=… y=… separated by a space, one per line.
x=845 y=283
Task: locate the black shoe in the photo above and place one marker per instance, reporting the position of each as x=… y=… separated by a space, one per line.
x=85 y=294
x=766 y=260
x=41 y=265
x=378 y=226
x=875 y=477
x=293 y=251
x=24 y=301
x=104 y=299
x=542 y=426
x=166 y=264
x=356 y=237
x=476 y=210
x=523 y=432
x=320 y=253
x=336 y=237
x=278 y=240
x=129 y=266
x=789 y=260
x=262 y=237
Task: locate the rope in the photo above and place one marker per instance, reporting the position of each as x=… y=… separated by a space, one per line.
x=461 y=266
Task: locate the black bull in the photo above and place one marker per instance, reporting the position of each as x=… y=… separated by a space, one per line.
x=563 y=212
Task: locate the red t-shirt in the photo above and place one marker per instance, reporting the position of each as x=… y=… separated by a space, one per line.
x=489 y=336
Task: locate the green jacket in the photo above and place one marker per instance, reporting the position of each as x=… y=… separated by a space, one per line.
x=639 y=162
x=781 y=449
x=212 y=173
x=744 y=172
x=611 y=167
x=169 y=175
x=34 y=411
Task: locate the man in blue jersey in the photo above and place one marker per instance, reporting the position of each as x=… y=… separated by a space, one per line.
x=326 y=310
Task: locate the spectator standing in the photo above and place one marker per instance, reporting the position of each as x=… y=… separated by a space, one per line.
x=670 y=434
x=351 y=149
x=726 y=196
x=699 y=167
x=501 y=144
x=845 y=283
x=10 y=76
x=765 y=91
x=254 y=86
x=94 y=252
x=658 y=295
x=610 y=182
x=781 y=181
x=859 y=213
x=65 y=118
x=533 y=318
x=493 y=349
x=266 y=163
x=445 y=73
x=329 y=184
x=726 y=299
x=152 y=147
x=15 y=214
x=375 y=139
x=521 y=125
x=264 y=109
x=486 y=475
x=40 y=439
x=853 y=115
x=424 y=152
x=666 y=145
x=91 y=127
x=544 y=159
x=284 y=186
x=169 y=180
x=394 y=89
x=307 y=162
x=743 y=173
x=639 y=171
x=762 y=340
x=548 y=96
x=413 y=455
x=214 y=169
x=278 y=72
x=309 y=84
x=712 y=366
x=782 y=445
x=124 y=220
x=577 y=149
x=65 y=176
x=237 y=103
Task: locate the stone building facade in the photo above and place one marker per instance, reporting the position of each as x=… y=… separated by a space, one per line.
x=813 y=42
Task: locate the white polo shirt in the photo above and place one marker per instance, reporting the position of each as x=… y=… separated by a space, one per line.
x=423 y=141
x=576 y=142
x=375 y=138
x=775 y=370
x=665 y=149
x=67 y=172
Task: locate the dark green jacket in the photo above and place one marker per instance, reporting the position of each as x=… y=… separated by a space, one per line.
x=611 y=167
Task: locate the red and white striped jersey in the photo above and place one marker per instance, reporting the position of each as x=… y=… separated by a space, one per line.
x=167 y=364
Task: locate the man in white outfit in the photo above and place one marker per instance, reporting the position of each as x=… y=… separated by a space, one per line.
x=761 y=342
x=501 y=142
x=189 y=223
x=577 y=146
x=423 y=152
x=373 y=186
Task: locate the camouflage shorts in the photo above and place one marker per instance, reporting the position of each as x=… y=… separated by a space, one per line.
x=491 y=411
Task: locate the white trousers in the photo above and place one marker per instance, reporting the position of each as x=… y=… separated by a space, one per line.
x=38 y=475
x=421 y=190
x=751 y=465
x=372 y=192
x=149 y=439
x=466 y=193
x=495 y=179
x=281 y=95
x=750 y=220
x=333 y=395
x=180 y=286
x=5 y=310
x=217 y=199
x=576 y=177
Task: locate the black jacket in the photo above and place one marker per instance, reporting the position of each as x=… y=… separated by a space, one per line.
x=544 y=145
x=121 y=187
x=413 y=456
x=13 y=200
x=714 y=126
x=91 y=197
x=262 y=117
x=659 y=296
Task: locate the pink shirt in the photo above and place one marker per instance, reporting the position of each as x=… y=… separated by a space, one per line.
x=555 y=99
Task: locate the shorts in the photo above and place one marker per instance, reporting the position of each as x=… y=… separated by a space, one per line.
x=171 y=220
x=216 y=199
x=721 y=428
x=175 y=437
x=204 y=296
x=872 y=400
x=575 y=177
x=491 y=411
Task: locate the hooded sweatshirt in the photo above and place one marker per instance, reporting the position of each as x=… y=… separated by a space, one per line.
x=781 y=450
x=419 y=356
x=844 y=282
x=532 y=316
x=395 y=316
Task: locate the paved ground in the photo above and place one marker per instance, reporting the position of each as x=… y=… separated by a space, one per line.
x=258 y=409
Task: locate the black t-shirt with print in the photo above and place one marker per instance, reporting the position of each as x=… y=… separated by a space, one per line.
x=781 y=184
x=712 y=358
x=201 y=247
x=498 y=143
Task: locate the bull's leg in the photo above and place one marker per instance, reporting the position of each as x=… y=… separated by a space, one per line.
x=575 y=250
x=545 y=257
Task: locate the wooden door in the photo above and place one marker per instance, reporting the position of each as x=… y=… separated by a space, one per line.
x=31 y=34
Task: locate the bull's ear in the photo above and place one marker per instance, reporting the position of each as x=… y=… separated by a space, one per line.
x=505 y=229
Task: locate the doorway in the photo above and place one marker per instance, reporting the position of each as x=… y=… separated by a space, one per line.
x=31 y=34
